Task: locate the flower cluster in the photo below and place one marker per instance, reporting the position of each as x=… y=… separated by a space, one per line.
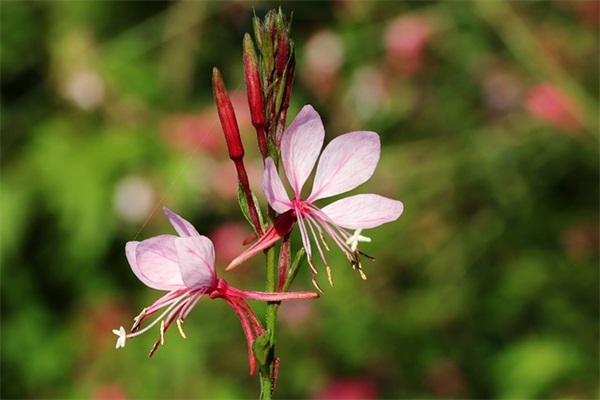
x=184 y=266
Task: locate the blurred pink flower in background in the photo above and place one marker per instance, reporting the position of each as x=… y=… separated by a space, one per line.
x=296 y=314
x=324 y=56
x=84 y=88
x=405 y=39
x=110 y=391
x=346 y=389
x=134 y=198
x=228 y=239
x=202 y=130
x=369 y=89
x=502 y=92
x=189 y=131
x=224 y=181
x=548 y=103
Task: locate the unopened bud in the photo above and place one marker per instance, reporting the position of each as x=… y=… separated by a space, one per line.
x=253 y=85
x=282 y=51
x=289 y=79
x=258 y=30
x=227 y=117
x=285 y=101
x=255 y=96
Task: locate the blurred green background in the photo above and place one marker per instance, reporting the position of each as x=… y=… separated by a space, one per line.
x=486 y=287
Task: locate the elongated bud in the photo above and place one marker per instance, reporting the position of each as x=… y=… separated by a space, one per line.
x=227 y=117
x=282 y=53
x=287 y=93
x=234 y=143
x=255 y=96
x=258 y=29
x=289 y=79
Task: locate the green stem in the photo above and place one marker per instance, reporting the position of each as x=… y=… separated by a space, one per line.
x=267 y=383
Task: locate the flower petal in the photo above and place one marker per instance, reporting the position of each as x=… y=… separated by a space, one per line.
x=347 y=161
x=273 y=188
x=363 y=211
x=154 y=262
x=300 y=146
x=183 y=228
x=196 y=255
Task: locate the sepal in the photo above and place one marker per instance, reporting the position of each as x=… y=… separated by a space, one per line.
x=243 y=200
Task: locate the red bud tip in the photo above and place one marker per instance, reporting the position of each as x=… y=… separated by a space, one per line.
x=227 y=117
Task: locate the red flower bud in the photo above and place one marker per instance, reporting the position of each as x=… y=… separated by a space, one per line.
x=227 y=117
x=282 y=52
x=255 y=97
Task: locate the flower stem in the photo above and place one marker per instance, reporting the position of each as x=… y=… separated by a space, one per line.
x=267 y=383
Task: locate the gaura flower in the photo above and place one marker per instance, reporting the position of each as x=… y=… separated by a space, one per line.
x=348 y=161
x=184 y=266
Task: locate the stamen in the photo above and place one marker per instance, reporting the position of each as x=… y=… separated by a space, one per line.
x=362 y=275
x=191 y=304
x=160 y=317
x=181 y=332
x=162 y=332
x=304 y=235
x=153 y=350
x=324 y=241
x=340 y=236
x=329 y=275
x=312 y=224
x=366 y=255
x=312 y=266
x=316 y=285
x=138 y=320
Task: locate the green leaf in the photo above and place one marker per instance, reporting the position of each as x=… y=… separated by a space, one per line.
x=262 y=350
x=245 y=208
x=294 y=269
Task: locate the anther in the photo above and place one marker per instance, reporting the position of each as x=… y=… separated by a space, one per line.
x=329 y=275
x=312 y=266
x=324 y=241
x=316 y=285
x=162 y=332
x=156 y=344
x=138 y=320
x=362 y=275
x=180 y=327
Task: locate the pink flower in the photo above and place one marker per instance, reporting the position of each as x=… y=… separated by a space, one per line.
x=547 y=102
x=357 y=388
x=184 y=266
x=348 y=161
x=405 y=40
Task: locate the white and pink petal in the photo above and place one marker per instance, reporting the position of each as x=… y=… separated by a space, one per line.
x=183 y=227
x=347 y=162
x=363 y=211
x=273 y=188
x=154 y=262
x=196 y=257
x=300 y=146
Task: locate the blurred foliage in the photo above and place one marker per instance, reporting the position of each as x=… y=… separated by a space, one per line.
x=487 y=286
